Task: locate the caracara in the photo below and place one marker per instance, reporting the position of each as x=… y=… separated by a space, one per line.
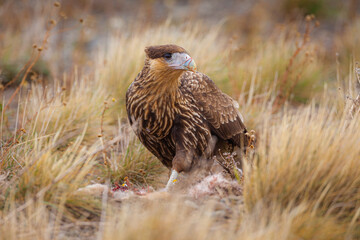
x=179 y=114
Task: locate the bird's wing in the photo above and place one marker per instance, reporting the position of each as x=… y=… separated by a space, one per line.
x=219 y=110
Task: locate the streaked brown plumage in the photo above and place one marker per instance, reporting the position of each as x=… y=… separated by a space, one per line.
x=179 y=115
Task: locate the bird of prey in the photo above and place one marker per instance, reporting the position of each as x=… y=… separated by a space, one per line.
x=179 y=114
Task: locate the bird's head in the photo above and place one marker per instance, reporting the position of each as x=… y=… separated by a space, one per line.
x=169 y=59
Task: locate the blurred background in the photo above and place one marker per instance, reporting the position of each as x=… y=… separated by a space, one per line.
x=83 y=27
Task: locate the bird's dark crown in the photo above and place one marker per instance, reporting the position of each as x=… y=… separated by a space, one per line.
x=160 y=50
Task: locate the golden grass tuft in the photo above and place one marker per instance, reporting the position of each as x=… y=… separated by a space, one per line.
x=309 y=157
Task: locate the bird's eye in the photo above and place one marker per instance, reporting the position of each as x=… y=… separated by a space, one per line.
x=167 y=56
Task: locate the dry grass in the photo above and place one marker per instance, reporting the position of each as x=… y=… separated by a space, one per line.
x=59 y=135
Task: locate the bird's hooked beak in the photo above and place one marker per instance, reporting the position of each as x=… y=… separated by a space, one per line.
x=184 y=62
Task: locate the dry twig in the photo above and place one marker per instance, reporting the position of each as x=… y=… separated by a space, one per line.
x=355 y=107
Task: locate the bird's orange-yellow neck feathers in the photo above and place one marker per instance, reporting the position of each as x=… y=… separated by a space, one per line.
x=164 y=78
